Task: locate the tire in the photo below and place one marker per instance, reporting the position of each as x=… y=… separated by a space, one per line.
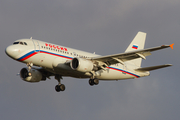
x=62 y=87
x=57 y=88
x=91 y=82
x=96 y=81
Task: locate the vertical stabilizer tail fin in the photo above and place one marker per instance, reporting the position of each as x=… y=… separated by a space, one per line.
x=137 y=44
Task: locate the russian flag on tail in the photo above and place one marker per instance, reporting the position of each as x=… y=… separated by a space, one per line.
x=135 y=46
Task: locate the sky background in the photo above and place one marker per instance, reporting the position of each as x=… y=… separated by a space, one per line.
x=102 y=26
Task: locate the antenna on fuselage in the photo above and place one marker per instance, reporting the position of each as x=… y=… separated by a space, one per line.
x=31 y=38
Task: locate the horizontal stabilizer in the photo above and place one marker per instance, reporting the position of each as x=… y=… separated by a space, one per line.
x=152 y=68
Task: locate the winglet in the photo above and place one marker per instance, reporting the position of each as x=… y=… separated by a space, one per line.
x=171 y=46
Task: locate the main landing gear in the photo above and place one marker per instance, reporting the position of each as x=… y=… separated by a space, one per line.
x=93 y=80
x=59 y=87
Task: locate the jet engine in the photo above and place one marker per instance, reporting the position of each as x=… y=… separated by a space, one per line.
x=30 y=76
x=82 y=65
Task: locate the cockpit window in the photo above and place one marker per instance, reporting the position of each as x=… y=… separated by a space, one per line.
x=22 y=43
x=15 y=43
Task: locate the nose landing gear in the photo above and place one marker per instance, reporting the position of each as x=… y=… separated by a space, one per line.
x=59 y=87
x=93 y=82
x=29 y=65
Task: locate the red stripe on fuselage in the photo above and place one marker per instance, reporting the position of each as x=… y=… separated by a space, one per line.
x=123 y=71
x=28 y=56
x=55 y=54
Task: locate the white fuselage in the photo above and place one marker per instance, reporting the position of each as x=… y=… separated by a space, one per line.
x=55 y=59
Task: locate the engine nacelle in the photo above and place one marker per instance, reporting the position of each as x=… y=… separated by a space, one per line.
x=34 y=76
x=82 y=65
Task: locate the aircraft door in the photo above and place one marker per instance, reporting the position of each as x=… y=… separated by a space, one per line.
x=36 y=45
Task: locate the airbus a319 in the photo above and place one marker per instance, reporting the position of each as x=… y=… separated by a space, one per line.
x=45 y=59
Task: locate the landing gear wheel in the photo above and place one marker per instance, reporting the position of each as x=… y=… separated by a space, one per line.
x=62 y=87
x=96 y=81
x=91 y=82
x=59 y=88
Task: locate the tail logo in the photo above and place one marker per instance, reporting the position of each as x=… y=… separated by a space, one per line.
x=135 y=46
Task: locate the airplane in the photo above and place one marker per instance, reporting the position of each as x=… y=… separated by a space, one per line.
x=45 y=59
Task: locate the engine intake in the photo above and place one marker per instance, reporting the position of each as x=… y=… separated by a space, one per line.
x=34 y=76
x=82 y=65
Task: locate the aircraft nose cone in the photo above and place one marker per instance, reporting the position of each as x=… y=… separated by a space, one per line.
x=8 y=50
x=11 y=51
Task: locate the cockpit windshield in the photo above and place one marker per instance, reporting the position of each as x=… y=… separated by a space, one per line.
x=15 y=43
x=22 y=43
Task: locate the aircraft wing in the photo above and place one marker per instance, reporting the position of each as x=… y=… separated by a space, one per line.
x=127 y=56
